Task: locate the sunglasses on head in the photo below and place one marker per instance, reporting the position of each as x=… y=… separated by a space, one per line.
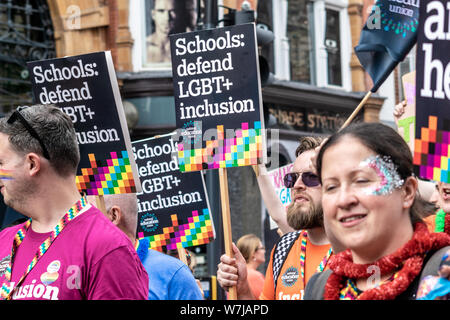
x=309 y=179
x=16 y=115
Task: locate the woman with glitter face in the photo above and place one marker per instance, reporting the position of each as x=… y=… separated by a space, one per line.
x=371 y=205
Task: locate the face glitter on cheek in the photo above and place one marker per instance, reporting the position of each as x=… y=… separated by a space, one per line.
x=386 y=171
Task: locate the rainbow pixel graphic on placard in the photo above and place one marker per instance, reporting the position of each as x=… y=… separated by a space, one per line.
x=113 y=176
x=390 y=25
x=431 y=152
x=197 y=231
x=244 y=149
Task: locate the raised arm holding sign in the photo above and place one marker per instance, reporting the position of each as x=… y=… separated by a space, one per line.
x=275 y=195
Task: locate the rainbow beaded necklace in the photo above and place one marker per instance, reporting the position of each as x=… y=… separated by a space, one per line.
x=5 y=291
x=320 y=267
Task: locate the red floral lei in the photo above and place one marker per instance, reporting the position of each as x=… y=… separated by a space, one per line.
x=447 y=224
x=411 y=255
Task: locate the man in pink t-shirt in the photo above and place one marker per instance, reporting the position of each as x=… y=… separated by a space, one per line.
x=68 y=250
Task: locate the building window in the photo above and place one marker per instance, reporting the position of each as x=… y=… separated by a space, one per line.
x=26 y=34
x=152 y=21
x=158 y=112
x=317 y=35
x=332 y=44
x=333 y=47
x=300 y=44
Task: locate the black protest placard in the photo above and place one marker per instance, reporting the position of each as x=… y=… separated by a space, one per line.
x=85 y=88
x=432 y=136
x=173 y=209
x=218 y=98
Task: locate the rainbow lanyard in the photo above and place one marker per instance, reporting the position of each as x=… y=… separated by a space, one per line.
x=440 y=221
x=351 y=292
x=322 y=264
x=6 y=174
x=5 y=291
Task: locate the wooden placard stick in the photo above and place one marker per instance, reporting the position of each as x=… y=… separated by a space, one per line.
x=355 y=112
x=256 y=169
x=100 y=201
x=226 y=221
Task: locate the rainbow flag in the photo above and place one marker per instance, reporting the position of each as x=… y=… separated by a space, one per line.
x=387 y=37
x=5 y=174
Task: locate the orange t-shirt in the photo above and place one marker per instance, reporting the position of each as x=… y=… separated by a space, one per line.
x=290 y=282
x=430 y=221
x=255 y=281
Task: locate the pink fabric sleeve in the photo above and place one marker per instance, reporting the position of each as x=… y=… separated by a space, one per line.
x=119 y=275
